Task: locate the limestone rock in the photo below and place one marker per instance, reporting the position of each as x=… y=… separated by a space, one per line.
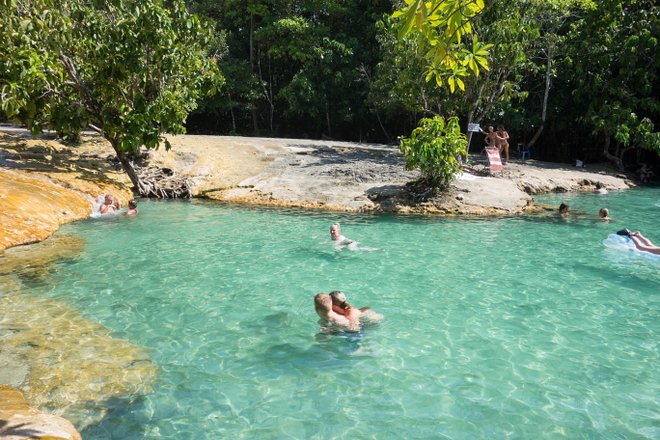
x=19 y=421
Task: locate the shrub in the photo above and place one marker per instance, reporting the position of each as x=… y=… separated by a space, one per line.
x=434 y=148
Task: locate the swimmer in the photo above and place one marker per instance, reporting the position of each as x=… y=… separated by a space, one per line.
x=600 y=188
x=642 y=243
x=331 y=320
x=341 y=306
x=564 y=209
x=132 y=208
x=604 y=215
x=110 y=205
x=342 y=242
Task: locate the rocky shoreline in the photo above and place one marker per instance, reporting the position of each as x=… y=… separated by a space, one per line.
x=307 y=174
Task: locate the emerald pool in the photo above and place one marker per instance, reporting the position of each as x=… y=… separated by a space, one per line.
x=494 y=328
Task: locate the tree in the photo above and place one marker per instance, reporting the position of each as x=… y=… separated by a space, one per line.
x=131 y=70
x=444 y=24
x=611 y=68
x=433 y=148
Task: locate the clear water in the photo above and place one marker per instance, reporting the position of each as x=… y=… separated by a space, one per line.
x=494 y=328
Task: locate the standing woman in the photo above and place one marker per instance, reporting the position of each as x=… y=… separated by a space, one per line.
x=503 y=138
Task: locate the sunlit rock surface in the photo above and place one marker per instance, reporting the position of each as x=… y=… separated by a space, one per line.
x=32 y=208
x=62 y=362
x=19 y=421
x=44 y=184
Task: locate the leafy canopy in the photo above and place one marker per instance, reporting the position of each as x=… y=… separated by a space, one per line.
x=130 y=69
x=443 y=25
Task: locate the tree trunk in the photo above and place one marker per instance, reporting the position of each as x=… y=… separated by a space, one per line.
x=255 y=119
x=327 y=121
x=546 y=95
x=616 y=160
x=128 y=167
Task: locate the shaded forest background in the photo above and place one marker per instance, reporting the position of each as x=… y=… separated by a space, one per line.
x=334 y=69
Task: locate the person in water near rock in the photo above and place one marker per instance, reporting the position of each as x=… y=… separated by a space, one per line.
x=564 y=209
x=600 y=188
x=642 y=243
x=604 y=215
x=110 y=205
x=342 y=307
x=331 y=320
x=132 y=208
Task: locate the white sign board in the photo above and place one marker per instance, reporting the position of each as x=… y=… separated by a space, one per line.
x=474 y=127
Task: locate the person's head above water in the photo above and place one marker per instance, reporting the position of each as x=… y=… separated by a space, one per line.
x=564 y=208
x=338 y=298
x=322 y=304
x=603 y=213
x=109 y=200
x=335 y=231
x=132 y=204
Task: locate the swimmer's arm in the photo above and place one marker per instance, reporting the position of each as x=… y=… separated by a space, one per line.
x=337 y=309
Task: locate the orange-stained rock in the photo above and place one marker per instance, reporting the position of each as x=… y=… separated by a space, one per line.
x=32 y=208
x=19 y=421
x=44 y=183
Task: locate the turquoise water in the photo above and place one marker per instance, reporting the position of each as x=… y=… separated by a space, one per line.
x=494 y=328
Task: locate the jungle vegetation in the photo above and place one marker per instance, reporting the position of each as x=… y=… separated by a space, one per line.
x=576 y=79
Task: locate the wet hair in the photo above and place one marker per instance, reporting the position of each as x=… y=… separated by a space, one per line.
x=564 y=207
x=132 y=204
x=599 y=185
x=338 y=298
x=322 y=302
x=603 y=212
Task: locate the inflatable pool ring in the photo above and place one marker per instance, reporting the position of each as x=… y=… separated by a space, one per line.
x=623 y=243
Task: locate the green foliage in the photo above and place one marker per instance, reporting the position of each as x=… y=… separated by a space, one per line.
x=130 y=69
x=444 y=24
x=434 y=148
x=611 y=67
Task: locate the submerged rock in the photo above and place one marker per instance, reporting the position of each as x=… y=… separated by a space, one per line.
x=19 y=421
x=70 y=362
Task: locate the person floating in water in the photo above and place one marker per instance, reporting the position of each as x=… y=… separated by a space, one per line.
x=332 y=321
x=132 y=208
x=110 y=205
x=604 y=215
x=342 y=307
x=341 y=242
x=641 y=243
